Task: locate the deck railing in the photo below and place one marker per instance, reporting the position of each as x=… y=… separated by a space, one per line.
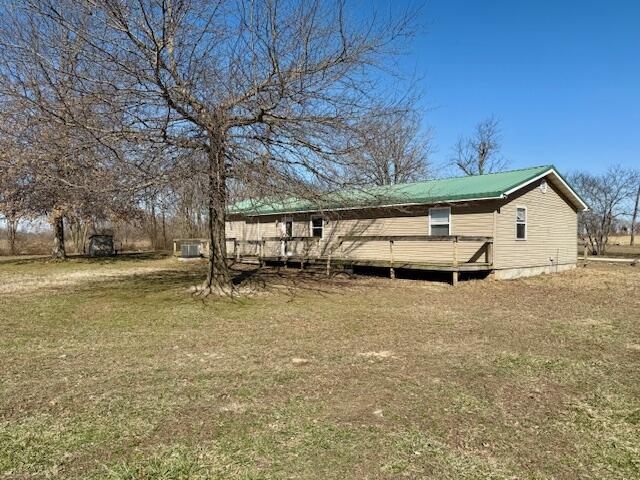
x=283 y=244
x=341 y=252
x=487 y=246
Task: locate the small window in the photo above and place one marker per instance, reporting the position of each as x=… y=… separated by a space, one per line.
x=317 y=227
x=521 y=223
x=286 y=227
x=440 y=221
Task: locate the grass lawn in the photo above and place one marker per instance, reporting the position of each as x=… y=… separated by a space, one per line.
x=618 y=246
x=110 y=369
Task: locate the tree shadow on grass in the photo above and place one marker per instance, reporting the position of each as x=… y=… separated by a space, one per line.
x=248 y=281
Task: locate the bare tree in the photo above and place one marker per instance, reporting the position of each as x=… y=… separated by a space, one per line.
x=37 y=83
x=479 y=153
x=270 y=91
x=394 y=151
x=607 y=196
x=72 y=163
x=12 y=193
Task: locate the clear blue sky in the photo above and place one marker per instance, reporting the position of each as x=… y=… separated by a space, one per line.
x=562 y=76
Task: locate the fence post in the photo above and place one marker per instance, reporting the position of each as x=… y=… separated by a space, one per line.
x=392 y=271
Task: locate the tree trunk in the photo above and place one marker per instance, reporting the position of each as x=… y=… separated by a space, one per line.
x=85 y=234
x=154 y=226
x=59 y=252
x=218 y=275
x=634 y=218
x=77 y=228
x=164 y=230
x=12 y=232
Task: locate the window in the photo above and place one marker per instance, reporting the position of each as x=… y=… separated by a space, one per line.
x=317 y=227
x=286 y=227
x=440 y=221
x=521 y=223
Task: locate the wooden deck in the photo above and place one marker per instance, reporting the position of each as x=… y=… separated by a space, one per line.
x=340 y=259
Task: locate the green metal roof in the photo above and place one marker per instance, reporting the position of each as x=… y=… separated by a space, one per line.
x=478 y=187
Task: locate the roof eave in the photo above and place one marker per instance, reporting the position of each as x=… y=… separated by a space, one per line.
x=573 y=196
x=491 y=196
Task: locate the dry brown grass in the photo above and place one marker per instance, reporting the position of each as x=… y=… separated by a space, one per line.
x=129 y=376
x=619 y=246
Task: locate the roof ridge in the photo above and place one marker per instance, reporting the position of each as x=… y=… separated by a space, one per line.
x=467 y=176
x=439 y=190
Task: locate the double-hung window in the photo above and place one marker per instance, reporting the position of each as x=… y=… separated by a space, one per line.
x=521 y=223
x=440 y=221
x=317 y=227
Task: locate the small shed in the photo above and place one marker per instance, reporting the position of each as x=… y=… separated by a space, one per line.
x=101 y=245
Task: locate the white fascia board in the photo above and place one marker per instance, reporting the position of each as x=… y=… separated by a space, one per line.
x=579 y=201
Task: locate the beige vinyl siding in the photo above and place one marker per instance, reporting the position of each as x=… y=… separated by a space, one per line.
x=551 y=230
x=475 y=219
x=235 y=229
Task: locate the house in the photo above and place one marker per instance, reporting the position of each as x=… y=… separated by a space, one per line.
x=509 y=224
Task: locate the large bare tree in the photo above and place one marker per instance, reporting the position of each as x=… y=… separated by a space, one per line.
x=13 y=197
x=270 y=91
x=71 y=153
x=395 y=150
x=38 y=85
x=480 y=153
x=608 y=197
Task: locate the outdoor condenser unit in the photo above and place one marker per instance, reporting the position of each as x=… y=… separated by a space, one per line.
x=189 y=250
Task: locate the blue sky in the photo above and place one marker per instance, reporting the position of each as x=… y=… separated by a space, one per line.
x=563 y=77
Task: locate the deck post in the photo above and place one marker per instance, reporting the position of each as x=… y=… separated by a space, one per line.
x=236 y=249
x=490 y=253
x=454 y=278
x=286 y=255
x=392 y=271
x=261 y=253
x=585 y=252
x=329 y=265
x=455 y=251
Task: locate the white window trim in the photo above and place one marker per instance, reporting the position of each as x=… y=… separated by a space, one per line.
x=313 y=217
x=449 y=214
x=526 y=223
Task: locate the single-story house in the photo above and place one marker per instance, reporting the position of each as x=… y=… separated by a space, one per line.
x=509 y=224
